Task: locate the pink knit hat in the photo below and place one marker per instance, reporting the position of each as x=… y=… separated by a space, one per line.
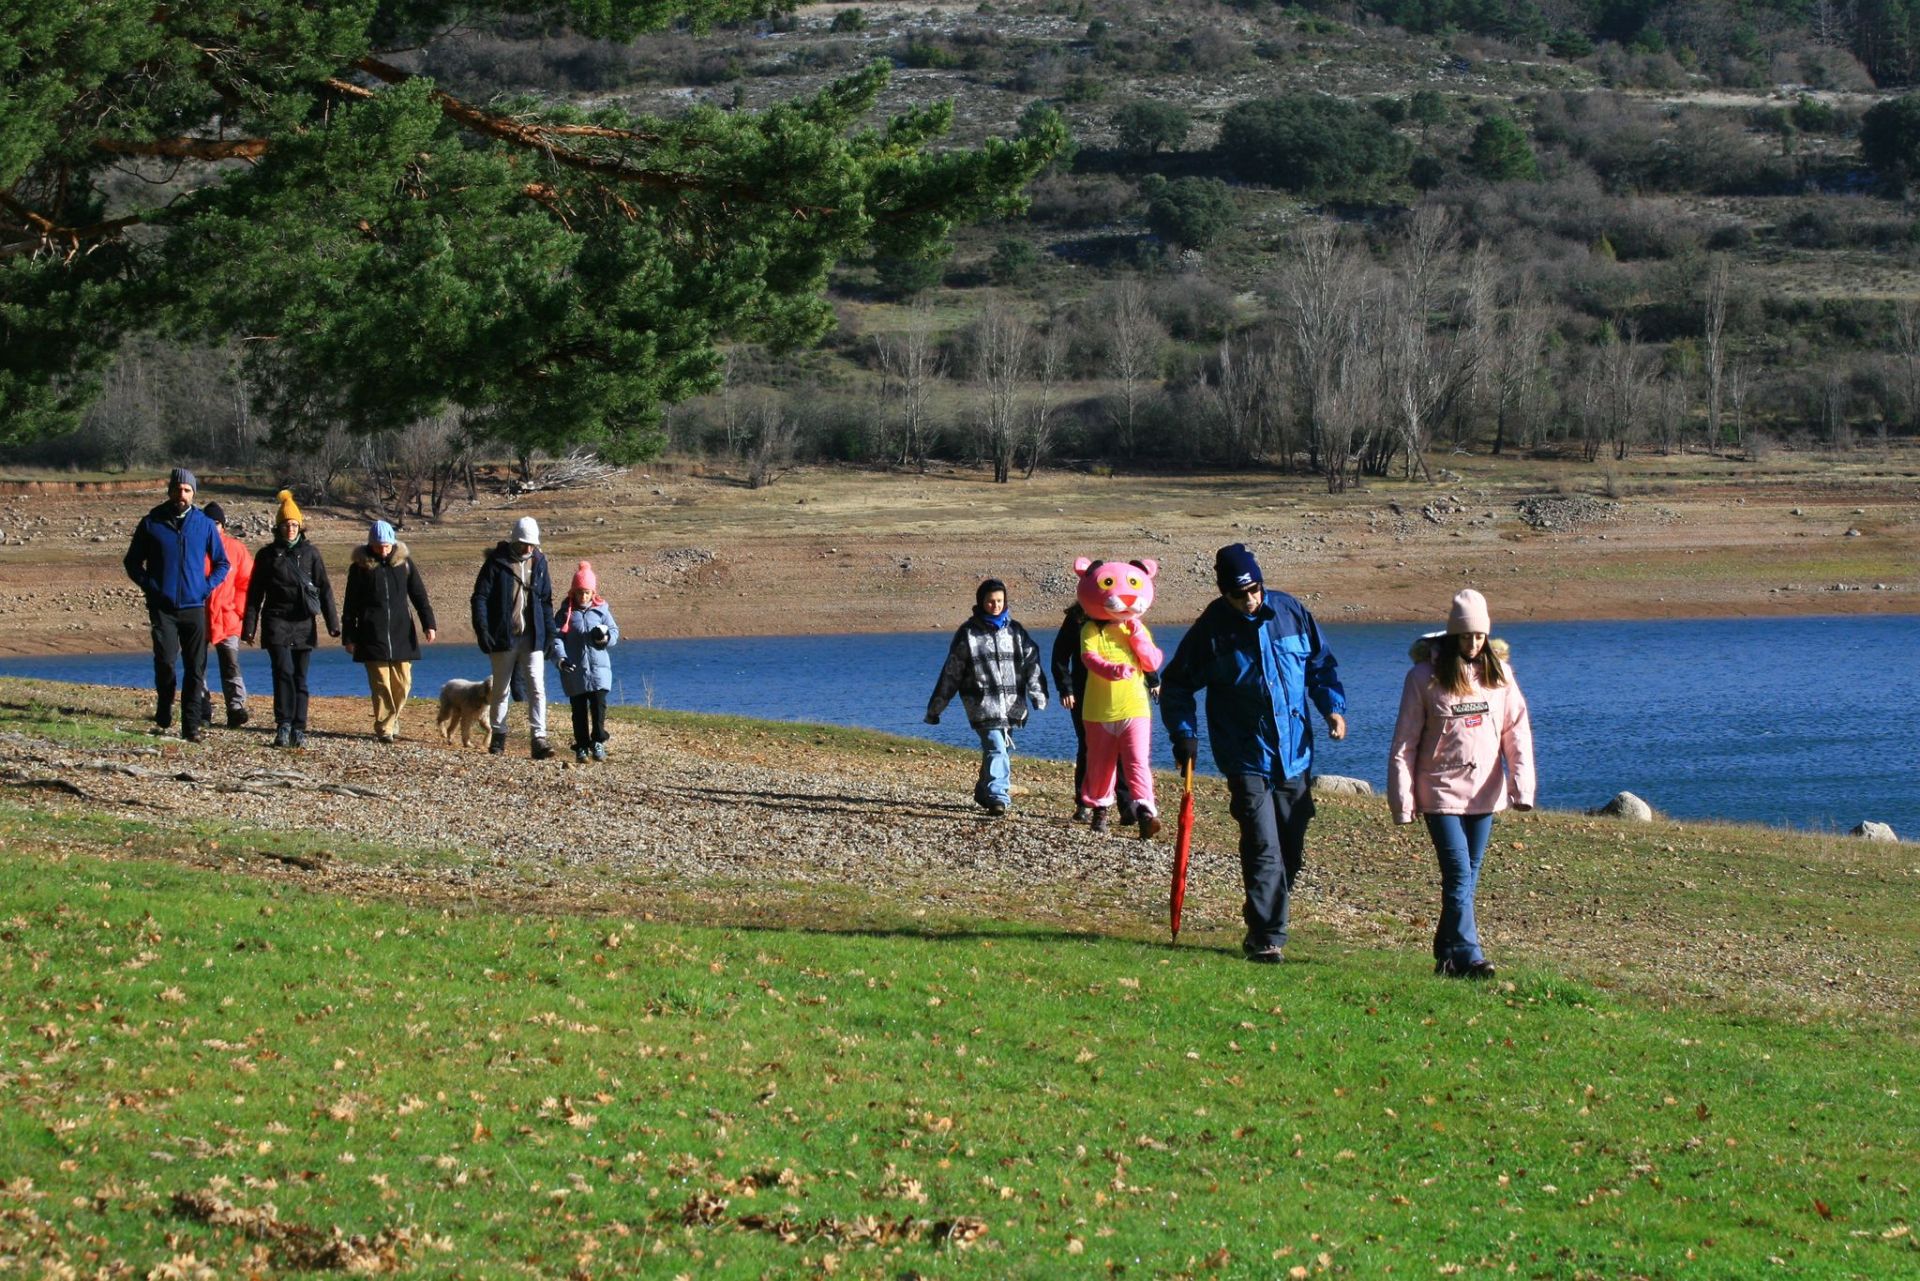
x=584 y=577
x=1469 y=614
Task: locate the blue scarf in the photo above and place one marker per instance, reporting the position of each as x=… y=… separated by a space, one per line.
x=999 y=620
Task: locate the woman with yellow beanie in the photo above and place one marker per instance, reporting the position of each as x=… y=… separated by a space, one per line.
x=289 y=590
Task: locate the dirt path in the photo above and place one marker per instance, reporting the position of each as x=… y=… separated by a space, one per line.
x=830 y=550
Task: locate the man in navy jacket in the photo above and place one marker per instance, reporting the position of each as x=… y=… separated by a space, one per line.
x=1260 y=659
x=176 y=558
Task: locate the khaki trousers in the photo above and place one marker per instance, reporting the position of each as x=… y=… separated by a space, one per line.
x=391 y=683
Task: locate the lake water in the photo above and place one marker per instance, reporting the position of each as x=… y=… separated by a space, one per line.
x=1802 y=722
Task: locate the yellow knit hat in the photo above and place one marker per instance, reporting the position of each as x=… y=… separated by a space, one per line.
x=290 y=510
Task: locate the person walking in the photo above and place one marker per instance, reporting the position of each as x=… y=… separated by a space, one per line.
x=583 y=631
x=1070 y=679
x=376 y=624
x=176 y=559
x=226 y=608
x=1260 y=659
x=288 y=593
x=513 y=624
x=1462 y=752
x=995 y=668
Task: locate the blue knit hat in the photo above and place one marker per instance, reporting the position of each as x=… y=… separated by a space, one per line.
x=380 y=533
x=1235 y=569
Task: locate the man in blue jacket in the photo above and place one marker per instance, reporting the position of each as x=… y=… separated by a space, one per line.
x=1259 y=657
x=176 y=558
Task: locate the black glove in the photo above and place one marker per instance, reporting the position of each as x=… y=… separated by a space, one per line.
x=598 y=638
x=933 y=718
x=1185 y=749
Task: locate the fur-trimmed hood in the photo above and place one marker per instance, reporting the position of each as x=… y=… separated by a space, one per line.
x=363 y=557
x=1421 y=651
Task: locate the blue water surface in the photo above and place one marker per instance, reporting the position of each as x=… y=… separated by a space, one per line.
x=1802 y=722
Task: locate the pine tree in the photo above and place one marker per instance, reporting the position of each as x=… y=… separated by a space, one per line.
x=382 y=250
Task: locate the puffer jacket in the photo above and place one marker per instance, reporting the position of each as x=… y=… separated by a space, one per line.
x=996 y=672
x=227 y=607
x=584 y=667
x=493 y=603
x=1259 y=675
x=374 y=617
x=176 y=558
x=277 y=609
x=1466 y=753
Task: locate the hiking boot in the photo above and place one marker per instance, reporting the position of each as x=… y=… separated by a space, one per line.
x=1264 y=955
x=282 y=735
x=193 y=734
x=1099 y=820
x=497 y=745
x=1081 y=813
x=1480 y=970
x=996 y=809
x=580 y=756
x=163 y=714
x=542 y=749
x=237 y=716
x=298 y=738
x=1149 y=825
x=599 y=751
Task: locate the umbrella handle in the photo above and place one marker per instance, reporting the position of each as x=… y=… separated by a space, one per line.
x=1189 y=776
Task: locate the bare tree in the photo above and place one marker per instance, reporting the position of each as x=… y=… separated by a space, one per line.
x=1906 y=331
x=912 y=364
x=1243 y=389
x=1627 y=384
x=771 y=449
x=1135 y=340
x=1320 y=302
x=1739 y=387
x=1355 y=400
x=1430 y=369
x=1516 y=361
x=402 y=465
x=1049 y=371
x=1714 y=344
x=1000 y=340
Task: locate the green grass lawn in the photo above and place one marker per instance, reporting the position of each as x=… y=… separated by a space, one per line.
x=264 y=1079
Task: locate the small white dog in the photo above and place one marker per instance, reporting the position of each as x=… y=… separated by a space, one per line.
x=463 y=706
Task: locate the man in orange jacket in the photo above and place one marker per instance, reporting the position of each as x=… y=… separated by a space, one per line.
x=224 y=610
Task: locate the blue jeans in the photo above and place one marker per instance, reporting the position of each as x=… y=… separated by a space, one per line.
x=1461 y=842
x=994 y=787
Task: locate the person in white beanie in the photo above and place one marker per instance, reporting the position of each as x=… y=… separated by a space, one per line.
x=1462 y=751
x=513 y=624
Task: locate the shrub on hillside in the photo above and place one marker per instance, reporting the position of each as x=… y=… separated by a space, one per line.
x=1500 y=152
x=1189 y=212
x=1890 y=137
x=1068 y=201
x=1305 y=142
x=1149 y=126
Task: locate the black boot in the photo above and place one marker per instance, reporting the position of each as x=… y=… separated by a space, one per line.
x=282 y=735
x=1099 y=823
x=497 y=745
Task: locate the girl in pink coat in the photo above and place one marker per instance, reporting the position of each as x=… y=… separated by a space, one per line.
x=1462 y=752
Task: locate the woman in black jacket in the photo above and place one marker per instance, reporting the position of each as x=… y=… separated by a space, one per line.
x=289 y=590
x=377 y=626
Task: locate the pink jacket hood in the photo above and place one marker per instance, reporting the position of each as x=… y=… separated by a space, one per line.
x=1466 y=753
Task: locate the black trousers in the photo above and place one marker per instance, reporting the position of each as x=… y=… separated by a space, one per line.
x=1122 y=794
x=589 y=719
x=179 y=636
x=289 y=684
x=1273 y=819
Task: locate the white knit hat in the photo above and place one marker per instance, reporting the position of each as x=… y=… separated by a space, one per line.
x=1469 y=614
x=527 y=530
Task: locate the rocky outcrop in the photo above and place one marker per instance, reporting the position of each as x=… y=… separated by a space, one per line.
x=1340 y=785
x=1870 y=831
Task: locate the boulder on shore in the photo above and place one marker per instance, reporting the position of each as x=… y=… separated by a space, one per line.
x=1340 y=785
x=1873 y=832
x=1628 y=806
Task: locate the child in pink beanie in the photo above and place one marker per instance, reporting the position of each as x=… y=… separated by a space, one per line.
x=583 y=632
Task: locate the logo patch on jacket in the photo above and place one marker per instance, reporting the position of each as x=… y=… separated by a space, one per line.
x=1469 y=709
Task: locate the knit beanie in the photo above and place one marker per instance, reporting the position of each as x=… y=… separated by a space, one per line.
x=289 y=510
x=215 y=513
x=1469 y=614
x=181 y=476
x=585 y=578
x=527 y=530
x=1235 y=569
x=380 y=532
x=986 y=589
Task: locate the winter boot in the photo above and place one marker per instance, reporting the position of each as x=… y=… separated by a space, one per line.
x=497 y=745
x=1149 y=824
x=282 y=735
x=542 y=749
x=1099 y=822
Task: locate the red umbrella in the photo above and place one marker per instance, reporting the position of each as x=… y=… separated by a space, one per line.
x=1182 y=852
